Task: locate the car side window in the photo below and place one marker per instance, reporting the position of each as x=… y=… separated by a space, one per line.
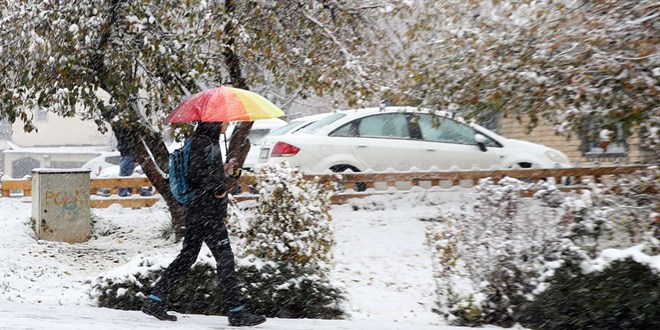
x=114 y=160
x=391 y=125
x=441 y=129
x=489 y=141
x=345 y=130
x=256 y=135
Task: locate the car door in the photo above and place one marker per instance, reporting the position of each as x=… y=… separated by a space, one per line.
x=384 y=141
x=448 y=144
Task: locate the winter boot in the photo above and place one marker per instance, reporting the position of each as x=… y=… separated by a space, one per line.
x=239 y=317
x=155 y=307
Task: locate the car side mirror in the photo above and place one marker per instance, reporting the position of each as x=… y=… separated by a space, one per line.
x=481 y=142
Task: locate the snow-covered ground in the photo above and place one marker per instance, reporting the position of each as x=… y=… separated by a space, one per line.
x=381 y=258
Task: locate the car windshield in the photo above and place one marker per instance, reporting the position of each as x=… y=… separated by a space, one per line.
x=256 y=135
x=315 y=127
x=285 y=129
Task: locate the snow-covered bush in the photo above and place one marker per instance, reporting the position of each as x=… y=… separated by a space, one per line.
x=508 y=257
x=489 y=255
x=126 y=287
x=609 y=271
x=622 y=295
x=616 y=215
x=282 y=243
x=284 y=246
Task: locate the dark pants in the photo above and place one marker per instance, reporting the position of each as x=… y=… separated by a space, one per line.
x=205 y=224
x=126 y=168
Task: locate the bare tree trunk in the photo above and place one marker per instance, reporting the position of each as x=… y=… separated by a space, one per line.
x=154 y=141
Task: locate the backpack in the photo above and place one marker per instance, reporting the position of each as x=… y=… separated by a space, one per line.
x=178 y=172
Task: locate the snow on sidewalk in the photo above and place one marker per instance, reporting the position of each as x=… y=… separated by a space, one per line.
x=382 y=262
x=54 y=317
x=381 y=254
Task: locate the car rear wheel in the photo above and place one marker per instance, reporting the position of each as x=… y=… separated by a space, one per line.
x=359 y=186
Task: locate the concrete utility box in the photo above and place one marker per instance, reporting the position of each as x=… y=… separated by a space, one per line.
x=60 y=204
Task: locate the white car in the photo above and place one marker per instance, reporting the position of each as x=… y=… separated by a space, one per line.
x=260 y=153
x=405 y=138
x=102 y=162
x=259 y=130
x=113 y=172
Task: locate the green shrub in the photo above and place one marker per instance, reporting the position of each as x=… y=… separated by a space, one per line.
x=125 y=287
x=289 y=293
x=626 y=295
x=272 y=289
x=197 y=293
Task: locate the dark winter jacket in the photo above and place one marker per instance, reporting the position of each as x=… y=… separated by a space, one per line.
x=123 y=141
x=206 y=177
x=120 y=131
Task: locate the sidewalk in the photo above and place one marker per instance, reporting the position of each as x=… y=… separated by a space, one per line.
x=71 y=317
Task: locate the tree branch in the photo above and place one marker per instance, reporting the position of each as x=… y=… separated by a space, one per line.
x=348 y=57
x=239 y=145
x=97 y=61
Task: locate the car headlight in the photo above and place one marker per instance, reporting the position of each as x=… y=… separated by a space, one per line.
x=557 y=156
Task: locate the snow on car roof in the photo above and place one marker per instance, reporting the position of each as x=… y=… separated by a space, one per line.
x=404 y=109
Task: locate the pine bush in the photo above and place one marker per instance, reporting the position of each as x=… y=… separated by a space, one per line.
x=126 y=287
x=285 y=244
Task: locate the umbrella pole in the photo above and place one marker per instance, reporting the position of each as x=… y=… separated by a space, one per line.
x=224 y=137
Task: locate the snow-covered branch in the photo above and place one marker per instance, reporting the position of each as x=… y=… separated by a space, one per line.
x=349 y=59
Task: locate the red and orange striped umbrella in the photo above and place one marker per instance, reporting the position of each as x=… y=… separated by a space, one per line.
x=224 y=104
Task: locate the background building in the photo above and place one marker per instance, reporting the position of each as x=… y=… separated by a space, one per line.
x=57 y=143
x=586 y=149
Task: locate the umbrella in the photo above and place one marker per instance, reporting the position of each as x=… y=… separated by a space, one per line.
x=224 y=104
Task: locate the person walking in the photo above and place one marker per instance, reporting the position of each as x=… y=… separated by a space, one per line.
x=127 y=161
x=205 y=223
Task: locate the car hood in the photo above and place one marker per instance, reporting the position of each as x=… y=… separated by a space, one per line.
x=523 y=145
x=538 y=150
